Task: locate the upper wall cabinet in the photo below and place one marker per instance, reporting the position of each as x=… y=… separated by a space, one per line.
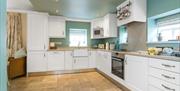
x=104 y=27
x=57 y=26
x=131 y=11
x=110 y=25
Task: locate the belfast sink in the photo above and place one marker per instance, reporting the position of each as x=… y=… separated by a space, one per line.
x=80 y=53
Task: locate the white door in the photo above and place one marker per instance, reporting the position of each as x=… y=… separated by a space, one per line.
x=56 y=61
x=136 y=72
x=36 y=61
x=99 y=60
x=56 y=27
x=68 y=60
x=80 y=63
x=36 y=31
x=92 y=59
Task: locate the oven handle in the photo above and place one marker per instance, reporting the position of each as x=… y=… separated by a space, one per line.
x=118 y=59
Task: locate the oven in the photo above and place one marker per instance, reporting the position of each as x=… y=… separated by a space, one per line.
x=118 y=64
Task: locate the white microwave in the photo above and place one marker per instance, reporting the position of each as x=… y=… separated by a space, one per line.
x=98 y=32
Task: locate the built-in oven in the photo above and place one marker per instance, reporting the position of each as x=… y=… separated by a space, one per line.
x=98 y=32
x=118 y=64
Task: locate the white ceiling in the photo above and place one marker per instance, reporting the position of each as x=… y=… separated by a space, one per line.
x=19 y=4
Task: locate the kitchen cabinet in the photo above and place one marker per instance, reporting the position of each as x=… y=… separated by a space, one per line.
x=55 y=60
x=80 y=63
x=137 y=11
x=164 y=75
x=136 y=72
x=110 y=25
x=92 y=59
x=37 y=31
x=104 y=62
x=68 y=60
x=36 y=61
x=57 y=26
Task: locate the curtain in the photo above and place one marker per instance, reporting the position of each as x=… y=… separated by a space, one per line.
x=14 y=33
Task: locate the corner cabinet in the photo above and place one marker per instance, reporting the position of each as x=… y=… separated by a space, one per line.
x=137 y=11
x=136 y=72
x=57 y=26
x=109 y=25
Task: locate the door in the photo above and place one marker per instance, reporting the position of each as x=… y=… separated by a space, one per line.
x=99 y=60
x=68 y=60
x=136 y=72
x=92 y=59
x=36 y=61
x=80 y=63
x=56 y=61
x=106 y=62
x=37 y=28
x=3 y=56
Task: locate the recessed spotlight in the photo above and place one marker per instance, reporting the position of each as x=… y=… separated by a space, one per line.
x=57 y=11
x=56 y=0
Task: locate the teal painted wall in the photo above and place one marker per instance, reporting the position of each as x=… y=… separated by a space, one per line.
x=75 y=25
x=156 y=7
x=3 y=56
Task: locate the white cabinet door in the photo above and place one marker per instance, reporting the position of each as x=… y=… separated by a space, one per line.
x=36 y=31
x=68 y=60
x=56 y=61
x=99 y=60
x=36 y=61
x=57 y=27
x=106 y=62
x=136 y=72
x=92 y=59
x=80 y=63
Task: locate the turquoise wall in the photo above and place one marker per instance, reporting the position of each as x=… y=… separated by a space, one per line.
x=156 y=7
x=3 y=56
x=75 y=25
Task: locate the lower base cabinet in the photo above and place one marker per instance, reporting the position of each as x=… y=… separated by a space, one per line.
x=68 y=60
x=36 y=61
x=80 y=63
x=55 y=61
x=136 y=72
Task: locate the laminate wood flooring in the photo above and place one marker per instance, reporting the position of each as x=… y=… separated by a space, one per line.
x=90 y=81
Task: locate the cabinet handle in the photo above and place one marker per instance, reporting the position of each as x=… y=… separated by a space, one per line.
x=44 y=55
x=168 y=88
x=125 y=60
x=167 y=76
x=166 y=65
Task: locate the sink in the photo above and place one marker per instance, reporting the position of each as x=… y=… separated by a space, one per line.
x=80 y=53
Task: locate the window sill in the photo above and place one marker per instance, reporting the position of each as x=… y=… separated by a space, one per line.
x=164 y=42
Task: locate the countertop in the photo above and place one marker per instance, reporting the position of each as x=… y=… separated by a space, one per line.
x=170 y=58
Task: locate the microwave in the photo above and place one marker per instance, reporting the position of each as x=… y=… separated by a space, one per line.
x=98 y=32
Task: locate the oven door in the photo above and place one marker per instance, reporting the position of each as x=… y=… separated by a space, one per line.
x=118 y=67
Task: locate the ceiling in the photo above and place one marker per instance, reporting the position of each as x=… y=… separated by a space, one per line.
x=81 y=9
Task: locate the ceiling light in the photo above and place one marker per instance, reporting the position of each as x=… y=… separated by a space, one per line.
x=57 y=11
x=56 y=0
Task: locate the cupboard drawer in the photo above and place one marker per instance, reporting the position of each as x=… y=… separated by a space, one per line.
x=152 y=88
x=165 y=75
x=163 y=85
x=165 y=64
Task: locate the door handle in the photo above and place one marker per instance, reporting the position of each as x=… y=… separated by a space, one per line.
x=167 y=76
x=168 y=88
x=166 y=65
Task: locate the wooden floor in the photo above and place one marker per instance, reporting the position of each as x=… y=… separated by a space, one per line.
x=91 y=81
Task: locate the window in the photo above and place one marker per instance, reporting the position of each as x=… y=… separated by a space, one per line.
x=123 y=34
x=168 y=28
x=78 y=37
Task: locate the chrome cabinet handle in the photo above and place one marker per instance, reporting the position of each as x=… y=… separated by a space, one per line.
x=166 y=65
x=168 y=88
x=167 y=76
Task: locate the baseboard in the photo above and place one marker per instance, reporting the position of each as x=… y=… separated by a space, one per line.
x=59 y=72
x=113 y=81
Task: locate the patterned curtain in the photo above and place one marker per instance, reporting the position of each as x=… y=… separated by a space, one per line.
x=14 y=31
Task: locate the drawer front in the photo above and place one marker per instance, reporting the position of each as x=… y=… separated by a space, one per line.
x=165 y=64
x=163 y=85
x=165 y=75
x=152 y=88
